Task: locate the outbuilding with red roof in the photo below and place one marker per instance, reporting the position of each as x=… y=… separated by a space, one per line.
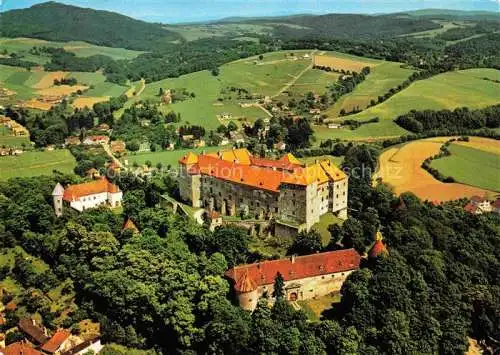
x=305 y=277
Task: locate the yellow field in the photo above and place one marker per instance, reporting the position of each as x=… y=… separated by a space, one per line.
x=338 y=63
x=35 y=104
x=61 y=90
x=400 y=167
x=485 y=144
x=82 y=102
x=48 y=79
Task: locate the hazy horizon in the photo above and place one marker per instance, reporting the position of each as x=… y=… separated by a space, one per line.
x=209 y=10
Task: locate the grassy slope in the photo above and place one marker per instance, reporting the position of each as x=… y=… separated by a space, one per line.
x=265 y=79
x=313 y=80
x=382 y=77
x=36 y=163
x=81 y=49
x=471 y=166
x=8 y=140
x=445 y=91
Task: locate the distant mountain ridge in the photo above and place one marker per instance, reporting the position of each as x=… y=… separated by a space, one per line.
x=59 y=22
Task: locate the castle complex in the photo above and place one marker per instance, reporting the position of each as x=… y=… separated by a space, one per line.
x=236 y=183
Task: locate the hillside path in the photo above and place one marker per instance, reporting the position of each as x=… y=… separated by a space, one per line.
x=295 y=78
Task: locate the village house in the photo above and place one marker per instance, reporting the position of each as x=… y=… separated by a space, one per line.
x=130 y=225
x=96 y=140
x=92 y=173
x=59 y=341
x=213 y=219
x=118 y=147
x=281 y=146
x=480 y=205
x=88 y=195
x=305 y=277
x=19 y=348
x=334 y=125
x=103 y=127
x=34 y=332
x=91 y=346
x=72 y=140
x=235 y=182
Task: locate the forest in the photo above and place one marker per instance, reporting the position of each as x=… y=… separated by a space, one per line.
x=460 y=118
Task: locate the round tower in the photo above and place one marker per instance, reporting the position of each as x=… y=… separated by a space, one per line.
x=246 y=292
x=57 y=198
x=378 y=248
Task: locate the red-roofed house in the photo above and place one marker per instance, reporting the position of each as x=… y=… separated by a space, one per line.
x=478 y=205
x=19 y=348
x=96 y=140
x=87 y=195
x=57 y=343
x=305 y=277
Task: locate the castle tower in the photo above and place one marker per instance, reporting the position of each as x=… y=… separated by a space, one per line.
x=246 y=292
x=378 y=248
x=57 y=197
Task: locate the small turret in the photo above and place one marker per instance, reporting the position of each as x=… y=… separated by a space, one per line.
x=57 y=197
x=378 y=248
x=246 y=291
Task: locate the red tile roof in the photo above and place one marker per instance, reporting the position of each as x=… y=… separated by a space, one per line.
x=245 y=284
x=262 y=178
x=129 y=224
x=470 y=207
x=33 y=331
x=74 y=192
x=269 y=163
x=377 y=249
x=19 y=348
x=56 y=341
x=496 y=204
x=304 y=266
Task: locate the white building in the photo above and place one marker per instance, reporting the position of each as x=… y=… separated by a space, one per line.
x=88 y=195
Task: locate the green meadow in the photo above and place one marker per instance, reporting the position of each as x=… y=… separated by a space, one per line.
x=382 y=78
x=444 y=91
x=471 y=167
x=8 y=140
x=81 y=49
x=265 y=78
x=36 y=164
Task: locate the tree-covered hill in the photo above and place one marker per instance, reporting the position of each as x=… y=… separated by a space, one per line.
x=58 y=22
x=349 y=26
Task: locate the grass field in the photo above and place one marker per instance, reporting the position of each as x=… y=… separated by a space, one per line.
x=400 y=167
x=8 y=140
x=265 y=78
x=339 y=61
x=322 y=226
x=314 y=80
x=471 y=166
x=381 y=79
x=194 y=32
x=445 y=91
x=81 y=49
x=36 y=164
x=445 y=26
x=166 y=158
x=315 y=307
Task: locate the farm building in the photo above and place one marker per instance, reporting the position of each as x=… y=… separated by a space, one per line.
x=87 y=195
x=305 y=277
x=96 y=140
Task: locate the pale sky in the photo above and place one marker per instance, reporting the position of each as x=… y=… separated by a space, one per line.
x=175 y=11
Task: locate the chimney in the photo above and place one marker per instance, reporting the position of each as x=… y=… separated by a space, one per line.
x=316 y=161
x=293 y=259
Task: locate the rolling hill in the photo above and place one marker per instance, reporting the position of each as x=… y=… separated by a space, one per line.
x=46 y=21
